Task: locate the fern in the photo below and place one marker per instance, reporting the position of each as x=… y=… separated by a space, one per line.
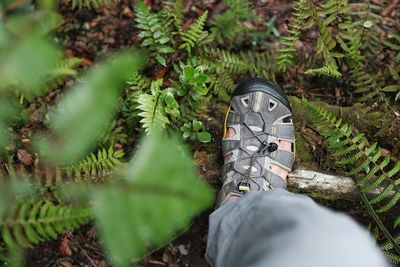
x=31 y=222
x=65 y=69
x=368 y=167
x=174 y=9
x=95 y=166
x=244 y=9
x=325 y=45
x=152 y=109
x=368 y=22
x=194 y=33
x=222 y=59
x=228 y=24
x=306 y=11
x=286 y=54
x=112 y=134
x=334 y=10
x=222 y=85
x=153 y=33
x=137 y=84
x=90 y=3
x=327 y=70
x=225 y=26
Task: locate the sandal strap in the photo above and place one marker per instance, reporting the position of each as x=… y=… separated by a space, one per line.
x=281 y=158
x=283 y=131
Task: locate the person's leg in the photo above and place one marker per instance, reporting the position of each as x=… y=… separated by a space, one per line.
x=282 y=229
x=259 y=223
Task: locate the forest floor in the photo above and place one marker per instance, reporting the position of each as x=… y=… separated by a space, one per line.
x=96 y=34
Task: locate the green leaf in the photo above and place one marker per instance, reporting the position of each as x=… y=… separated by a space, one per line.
x=155 y=197
x=197 y=125
x=201 y=79
x=391 y=88
x=202 y=90
x=160 y=59
x=147 y=42
x=170 y=100
x=188 y=73
x=186 y=134
x=204 y=137
x=82 y=114
x=165 y=49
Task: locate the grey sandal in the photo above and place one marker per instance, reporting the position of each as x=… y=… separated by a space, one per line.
x=260 y=114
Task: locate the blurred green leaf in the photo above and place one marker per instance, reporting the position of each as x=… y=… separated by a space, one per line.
x=204 y=137
x=26 y=63
x=16 y=187
x=82 y=114
x=8 y=108
x=156 y=196
x=39 y=23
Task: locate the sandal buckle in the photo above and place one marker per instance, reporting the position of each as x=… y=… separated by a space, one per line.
x=244 y=187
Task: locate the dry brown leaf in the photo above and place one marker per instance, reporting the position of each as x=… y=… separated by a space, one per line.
x=24 y=157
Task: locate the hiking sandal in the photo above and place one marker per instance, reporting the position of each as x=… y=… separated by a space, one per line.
x=260 y=115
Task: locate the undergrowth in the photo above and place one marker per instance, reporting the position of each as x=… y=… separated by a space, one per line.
x=161 y=92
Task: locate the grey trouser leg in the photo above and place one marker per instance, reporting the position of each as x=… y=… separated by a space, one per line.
x=282 y=229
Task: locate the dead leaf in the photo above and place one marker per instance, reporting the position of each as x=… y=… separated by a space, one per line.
x=64 y=263
x=24 y=157
x=87 y=62
x=64 y=246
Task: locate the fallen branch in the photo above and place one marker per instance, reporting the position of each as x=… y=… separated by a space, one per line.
x=324 y=186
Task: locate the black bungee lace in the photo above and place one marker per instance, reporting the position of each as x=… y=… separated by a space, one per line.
x=244 y=184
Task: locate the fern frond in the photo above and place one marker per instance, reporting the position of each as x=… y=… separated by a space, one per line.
x=243 y=9
x=151 y=108
x=222 y=85
x=286 y=54
x=222 y=59
x=31 y=222
x=369 y=169
x=137 y=85
x=90 y=3
x=334 y=9
x=325 y=45
x=305 y=10
x=225 y=26
x=112 y=134
x=153 y=32
x=95 y=166
x=194 y=33
x=174 y=9
x=228 y=24
x=326 y=70
x=64 y=70
x=368 y=22
x=137 y=81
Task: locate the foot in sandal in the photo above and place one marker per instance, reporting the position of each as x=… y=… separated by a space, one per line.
x=258 y=144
